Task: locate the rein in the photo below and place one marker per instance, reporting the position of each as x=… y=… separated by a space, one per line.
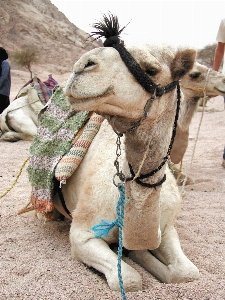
x=155 y=91
x=192 y=88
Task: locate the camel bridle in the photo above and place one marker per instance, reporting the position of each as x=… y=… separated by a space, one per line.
x=110 y=30
x=156 y=91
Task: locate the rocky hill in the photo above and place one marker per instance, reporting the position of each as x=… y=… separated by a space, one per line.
x=39 y=23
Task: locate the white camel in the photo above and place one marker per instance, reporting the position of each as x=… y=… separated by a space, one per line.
x=20 y=119
x=146 y=118
x=200 y=82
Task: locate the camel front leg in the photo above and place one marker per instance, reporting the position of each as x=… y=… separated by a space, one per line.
x=168 y=263
x=96 y=253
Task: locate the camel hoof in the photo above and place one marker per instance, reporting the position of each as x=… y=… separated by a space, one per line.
x=186 y=274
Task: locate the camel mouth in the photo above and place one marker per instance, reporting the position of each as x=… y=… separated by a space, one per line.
x=221 y=92
x=76 y=99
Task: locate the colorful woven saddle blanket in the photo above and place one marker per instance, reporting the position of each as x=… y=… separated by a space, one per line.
x=43 y=91
x=62 y=140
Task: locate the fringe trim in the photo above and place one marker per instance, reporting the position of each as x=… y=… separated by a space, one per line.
x=45 y=206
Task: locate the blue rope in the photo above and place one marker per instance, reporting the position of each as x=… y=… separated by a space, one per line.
x=105 y=227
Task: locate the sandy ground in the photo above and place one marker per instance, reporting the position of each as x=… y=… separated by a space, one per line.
x=35 y=257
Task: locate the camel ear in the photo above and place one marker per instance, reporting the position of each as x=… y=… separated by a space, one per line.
x=183 y=62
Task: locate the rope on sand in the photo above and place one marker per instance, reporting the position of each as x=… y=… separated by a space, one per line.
x=16 y=179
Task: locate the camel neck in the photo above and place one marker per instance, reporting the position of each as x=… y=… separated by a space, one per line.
x=187 y=110
x=146 y=149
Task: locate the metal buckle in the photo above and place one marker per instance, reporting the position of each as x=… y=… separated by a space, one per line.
x=121 y=177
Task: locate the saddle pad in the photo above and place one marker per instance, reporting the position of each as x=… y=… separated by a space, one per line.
x=57 y=128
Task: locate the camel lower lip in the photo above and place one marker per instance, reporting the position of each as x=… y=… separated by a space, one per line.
x=222 y=92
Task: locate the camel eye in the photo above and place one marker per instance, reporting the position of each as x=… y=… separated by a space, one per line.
x=195 y=75
x=89 y=64
x=151 y=72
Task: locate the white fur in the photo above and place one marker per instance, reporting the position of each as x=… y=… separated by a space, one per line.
x=20 y=119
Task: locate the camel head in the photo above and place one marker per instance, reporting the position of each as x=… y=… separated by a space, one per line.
x=118 y=81
x=101 y=82
x=201 y=78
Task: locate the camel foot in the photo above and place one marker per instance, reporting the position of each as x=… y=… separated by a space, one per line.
x=180 y=271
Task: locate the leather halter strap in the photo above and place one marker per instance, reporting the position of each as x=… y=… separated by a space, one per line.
x=140 y=75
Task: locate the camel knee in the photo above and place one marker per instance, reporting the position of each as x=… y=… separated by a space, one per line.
x=79 y=243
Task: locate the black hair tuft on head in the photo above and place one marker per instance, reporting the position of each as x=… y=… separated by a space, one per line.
x=108 y=28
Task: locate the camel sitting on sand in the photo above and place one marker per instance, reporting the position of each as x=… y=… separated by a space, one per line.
x=144 y=109
x=20 y=119
x=147 y=122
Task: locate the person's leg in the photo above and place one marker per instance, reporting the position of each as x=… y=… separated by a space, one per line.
x=4 y=102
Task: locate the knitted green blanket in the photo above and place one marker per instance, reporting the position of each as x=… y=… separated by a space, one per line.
x=58 y=126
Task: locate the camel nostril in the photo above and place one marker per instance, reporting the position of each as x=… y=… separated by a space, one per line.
x=223 y=80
